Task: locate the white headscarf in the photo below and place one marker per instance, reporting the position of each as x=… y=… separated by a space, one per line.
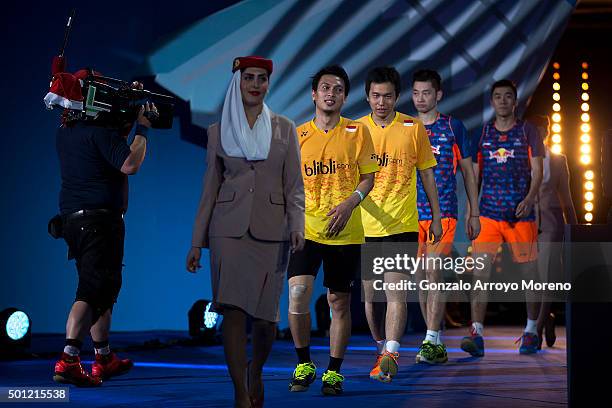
x=237 y=137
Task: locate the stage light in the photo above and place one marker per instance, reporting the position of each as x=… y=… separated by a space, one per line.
x=585 y=76
x=16 y=333
x=585 y=65
x=556 y=128
x=588 y=217
x=585 y=149
x=588 y=206
x=556 y=117
x=556 y=107
x=585 y=138
x=556 y=138
x=585 y=86
x=556 y=149
x=556 y=86
x=585 y=127
x=556 y=96
x=585 y=117
x=556 y=65
x=203 y=323
x=589 y=186
x=556 y=76
x=585 y=96
x=589 y=196
x=585 y=107
x=585 y=159
x=589 y=175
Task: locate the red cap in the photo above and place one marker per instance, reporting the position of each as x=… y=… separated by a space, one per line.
x=252 y=61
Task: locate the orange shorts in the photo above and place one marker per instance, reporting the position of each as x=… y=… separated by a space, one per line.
x=521 y=236
x=445 y=246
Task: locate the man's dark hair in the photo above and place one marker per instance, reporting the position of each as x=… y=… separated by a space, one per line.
x=424 y=75
x=335 y=70
x=503 y=83
x=380 y=75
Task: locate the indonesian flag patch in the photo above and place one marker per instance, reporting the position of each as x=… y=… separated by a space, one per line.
x=351 y=128
x=408 y=122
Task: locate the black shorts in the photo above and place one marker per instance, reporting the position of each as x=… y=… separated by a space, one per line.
x=412 y=237
x=341 y=264
x=96 y=244
x=401 y=237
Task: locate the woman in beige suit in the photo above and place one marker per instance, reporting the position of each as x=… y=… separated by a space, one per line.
x=251 y=215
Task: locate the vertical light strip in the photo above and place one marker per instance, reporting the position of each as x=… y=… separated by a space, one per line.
x=556 y=108
x=585 y=147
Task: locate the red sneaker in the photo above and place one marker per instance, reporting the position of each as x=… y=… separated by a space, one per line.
x=110 y=366
x=68 y=370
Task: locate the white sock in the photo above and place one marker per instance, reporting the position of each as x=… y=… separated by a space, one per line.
x=532 y=326
x=439 y=337
x=431 y=336
x=392 y=346
x=380 y=346
x=105 y=351
x=71 y=350
x=477 y=328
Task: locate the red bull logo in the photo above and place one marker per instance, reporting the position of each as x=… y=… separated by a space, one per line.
x=501 y=155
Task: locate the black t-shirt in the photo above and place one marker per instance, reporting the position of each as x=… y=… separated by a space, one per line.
x=90 y=160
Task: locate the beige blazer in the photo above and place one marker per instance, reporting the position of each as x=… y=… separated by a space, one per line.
x=265 y=197
x=549 y=212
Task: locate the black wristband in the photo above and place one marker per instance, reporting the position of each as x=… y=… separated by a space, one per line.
x=141 y=130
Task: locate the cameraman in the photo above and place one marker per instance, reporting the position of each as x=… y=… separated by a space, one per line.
x=95 y=161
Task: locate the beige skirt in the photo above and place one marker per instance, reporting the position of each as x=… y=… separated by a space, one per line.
x=248 y=274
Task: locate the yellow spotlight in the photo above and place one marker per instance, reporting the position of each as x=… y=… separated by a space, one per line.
x=585 y=138
x=556 y=138
x=556 y=96
x=585 y=149
x=556 y=65
x=556 y=76
x=556 y=107
x=585 y=96
x=585 y=117
x=585 y=159
x=585 y=107
x=588 y=206
x=589 y=175
x=589 y=186
x=556 y=86
x=589 y=196
x=556 y=128
x=588 y=217
x=585 y=127
x=556 y=149
x=556 y=117
x=585 y=76
x=585 y=65
x=585 y=86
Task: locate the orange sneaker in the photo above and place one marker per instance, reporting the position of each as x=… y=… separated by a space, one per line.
x=375 y=372
x=389 y=366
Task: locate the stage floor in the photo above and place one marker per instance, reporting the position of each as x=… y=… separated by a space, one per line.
x=177 y=376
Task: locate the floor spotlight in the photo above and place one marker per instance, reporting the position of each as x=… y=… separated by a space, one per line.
x=16 y=332
x=203 y=322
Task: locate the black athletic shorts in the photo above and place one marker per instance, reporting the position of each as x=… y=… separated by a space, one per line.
x=96 y=244
x=413 y=237
x=341 y=264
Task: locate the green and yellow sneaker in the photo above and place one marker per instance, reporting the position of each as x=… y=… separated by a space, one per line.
x=431 y=353
x=332 y=383
x=303 y=375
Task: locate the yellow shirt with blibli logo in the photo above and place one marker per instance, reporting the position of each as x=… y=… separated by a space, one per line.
x=401 y=148
x=332 y=162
